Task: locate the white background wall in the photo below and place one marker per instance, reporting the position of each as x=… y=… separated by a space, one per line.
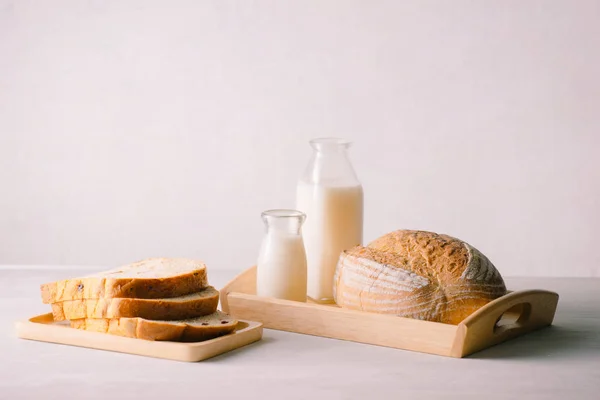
x=131 y=129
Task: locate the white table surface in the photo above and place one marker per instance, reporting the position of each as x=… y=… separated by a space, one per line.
x=559 y=362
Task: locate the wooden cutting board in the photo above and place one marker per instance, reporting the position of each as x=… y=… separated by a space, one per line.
x=43 y=328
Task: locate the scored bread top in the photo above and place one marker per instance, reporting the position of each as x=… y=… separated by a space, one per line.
x=417 y=274
x=145 y=279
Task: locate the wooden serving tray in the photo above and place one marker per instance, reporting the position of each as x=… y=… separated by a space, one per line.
x=43 y=328
x=505 y=318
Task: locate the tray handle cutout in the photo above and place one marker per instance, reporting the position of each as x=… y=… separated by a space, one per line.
x=513 y=318
x=502 y=319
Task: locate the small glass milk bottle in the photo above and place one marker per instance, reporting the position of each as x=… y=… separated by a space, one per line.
x=331 y=196
x=281 y=266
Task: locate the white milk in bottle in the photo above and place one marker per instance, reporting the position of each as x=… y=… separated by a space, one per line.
x=281 y=265
x=332 y=198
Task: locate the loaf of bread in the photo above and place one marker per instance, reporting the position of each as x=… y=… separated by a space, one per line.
x=152 y=278
x=417 y=274
x=194 y=329
x=171 y=308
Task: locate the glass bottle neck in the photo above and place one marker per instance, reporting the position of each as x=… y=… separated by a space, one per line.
x=329 y=164
x=283 y=221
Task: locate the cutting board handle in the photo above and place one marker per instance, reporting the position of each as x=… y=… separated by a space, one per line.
x=502 y=319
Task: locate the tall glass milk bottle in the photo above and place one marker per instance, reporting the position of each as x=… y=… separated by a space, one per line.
x=281 y=264
x=331 y=196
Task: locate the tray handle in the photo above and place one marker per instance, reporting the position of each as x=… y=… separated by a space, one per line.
x=507 y=317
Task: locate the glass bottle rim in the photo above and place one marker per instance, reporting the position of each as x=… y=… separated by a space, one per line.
x=283 y=213
x=340 y=142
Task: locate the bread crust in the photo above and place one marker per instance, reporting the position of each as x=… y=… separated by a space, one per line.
x=189 y=330
x=417 y=274
x=104 y=286
x=202 y=303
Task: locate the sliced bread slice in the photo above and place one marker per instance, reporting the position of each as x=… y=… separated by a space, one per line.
x=152 y=278
x=189 y=306
x=187 y=330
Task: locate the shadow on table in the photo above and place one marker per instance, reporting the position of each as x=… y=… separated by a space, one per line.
x=553 y=342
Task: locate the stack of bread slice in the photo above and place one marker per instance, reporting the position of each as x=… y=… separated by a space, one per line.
x=162 y=299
